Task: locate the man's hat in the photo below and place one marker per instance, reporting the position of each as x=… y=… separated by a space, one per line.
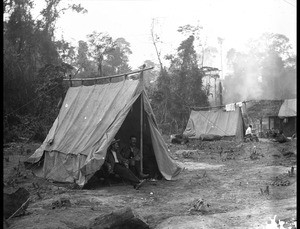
x=114 y=141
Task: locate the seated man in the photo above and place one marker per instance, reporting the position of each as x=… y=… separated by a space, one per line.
x=281 y=138
x=248 y=133
x=272 y=133
x=115 y=163
x=133 y=155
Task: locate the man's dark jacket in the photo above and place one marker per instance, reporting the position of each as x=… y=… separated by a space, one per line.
x=109 y=159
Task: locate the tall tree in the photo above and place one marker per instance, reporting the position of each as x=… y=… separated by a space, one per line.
x=30 y=47
x=101 y=48
x=188 y=83
x=199 y=43
x=20 y=54
x=155 y=41
x=117 y=61
x=180 y=88
x=66 y=51
x=162 y=101
x=85 y=66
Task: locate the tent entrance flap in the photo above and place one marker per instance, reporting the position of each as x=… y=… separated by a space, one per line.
x=132 y=127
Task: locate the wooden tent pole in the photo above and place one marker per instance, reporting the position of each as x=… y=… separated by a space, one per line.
x=142 y=120
x=70 y=80
x=141 y=143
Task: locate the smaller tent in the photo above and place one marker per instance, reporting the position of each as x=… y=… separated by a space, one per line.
x=215 y=122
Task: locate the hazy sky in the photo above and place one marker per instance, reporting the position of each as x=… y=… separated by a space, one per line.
x=236 y=21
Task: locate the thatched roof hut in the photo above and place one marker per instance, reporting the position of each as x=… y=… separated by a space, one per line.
x=257 y=109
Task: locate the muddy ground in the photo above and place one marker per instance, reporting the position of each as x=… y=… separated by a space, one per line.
x=232 y=183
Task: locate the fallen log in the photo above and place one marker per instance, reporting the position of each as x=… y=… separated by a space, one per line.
x=179 y=139
x=210 y=137
x=125 y=218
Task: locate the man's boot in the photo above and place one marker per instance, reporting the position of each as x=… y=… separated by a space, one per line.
x=138 y=169
x=142 y=175
x=137 y=186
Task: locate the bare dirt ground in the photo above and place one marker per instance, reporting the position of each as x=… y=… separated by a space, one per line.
x=232 y=183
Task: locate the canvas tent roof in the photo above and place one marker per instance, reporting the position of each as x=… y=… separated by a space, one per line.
x=216 y=122
x=288 y=108
x=89 y=119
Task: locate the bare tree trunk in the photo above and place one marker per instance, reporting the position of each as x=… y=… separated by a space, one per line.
x=221 y=93
x=154 y=43
x=100 y=69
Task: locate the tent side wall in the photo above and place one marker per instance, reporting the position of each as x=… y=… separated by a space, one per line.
x=190 y=130
x=166 y=165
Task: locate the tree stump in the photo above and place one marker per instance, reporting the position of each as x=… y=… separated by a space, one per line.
x=124 y=218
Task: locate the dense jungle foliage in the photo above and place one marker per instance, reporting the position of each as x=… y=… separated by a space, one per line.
x=35 y=62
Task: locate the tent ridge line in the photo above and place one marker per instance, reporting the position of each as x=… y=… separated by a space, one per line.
x=210 y=107
x=109 y=77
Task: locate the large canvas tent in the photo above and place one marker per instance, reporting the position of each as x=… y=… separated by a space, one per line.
x=215 y=122
x=89 y=119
